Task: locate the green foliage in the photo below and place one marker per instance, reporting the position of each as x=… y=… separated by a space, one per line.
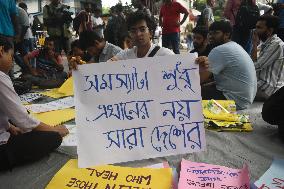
x=105 y=10
x=199 y=5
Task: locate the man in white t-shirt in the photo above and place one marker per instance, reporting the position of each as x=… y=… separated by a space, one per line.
x=141 y=29
x=98 y=23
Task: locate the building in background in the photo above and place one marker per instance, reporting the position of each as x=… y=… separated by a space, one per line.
x=35 y=6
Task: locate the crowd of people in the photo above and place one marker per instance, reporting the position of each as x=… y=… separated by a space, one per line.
x=229 y=69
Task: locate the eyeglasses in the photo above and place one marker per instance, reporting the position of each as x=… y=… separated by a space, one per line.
x=142 y=29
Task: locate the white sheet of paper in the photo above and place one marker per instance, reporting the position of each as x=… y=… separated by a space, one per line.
x=71 y=138
x=60 y=104
x=138 y=109
x=29 y=97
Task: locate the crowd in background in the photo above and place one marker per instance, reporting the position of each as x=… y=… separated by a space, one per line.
x=241 y=57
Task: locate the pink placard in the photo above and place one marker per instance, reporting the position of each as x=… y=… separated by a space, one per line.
x=201 y=175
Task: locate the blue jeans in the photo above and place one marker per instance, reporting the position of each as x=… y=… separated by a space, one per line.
x=171 y=40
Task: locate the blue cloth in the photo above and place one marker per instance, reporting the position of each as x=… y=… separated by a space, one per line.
x=171 y=40
x=234 y=73
x=7 y=8
x=281 y=15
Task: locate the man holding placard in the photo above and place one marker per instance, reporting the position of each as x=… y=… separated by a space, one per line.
x=141 y=29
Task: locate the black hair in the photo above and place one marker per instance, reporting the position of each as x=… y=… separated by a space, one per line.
x=202 y=30
x=7 y=45
x=23 y=5
x=119 y=7
x=48 y=39
x=222 y=25
x=88 y=38
x=135 y=17
x=270 y=22
x=75 y=43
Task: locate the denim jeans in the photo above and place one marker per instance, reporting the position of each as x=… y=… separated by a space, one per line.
x=171 y=40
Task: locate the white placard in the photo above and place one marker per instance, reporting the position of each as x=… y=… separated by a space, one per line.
x=29 y=97
x=138 y=109
x=71 y=138
x=60 y=104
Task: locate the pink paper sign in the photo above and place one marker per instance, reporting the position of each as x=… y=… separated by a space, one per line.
x=201 y=175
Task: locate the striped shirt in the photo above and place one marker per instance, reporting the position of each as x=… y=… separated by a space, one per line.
x=269 y=66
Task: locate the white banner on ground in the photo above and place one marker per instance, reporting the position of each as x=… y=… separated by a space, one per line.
x=138 y=109
x=60 y=104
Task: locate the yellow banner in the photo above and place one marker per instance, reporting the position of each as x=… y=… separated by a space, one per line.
x=110 y=177
x=56 y=117
x=67 y=87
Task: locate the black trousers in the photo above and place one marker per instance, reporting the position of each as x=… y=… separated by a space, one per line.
x=27 y=147
x=281 y=33
x=210 y=91
x=273 y=109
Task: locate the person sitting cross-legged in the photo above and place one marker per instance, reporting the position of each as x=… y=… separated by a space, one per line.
x=49 y=71
x=23 y=139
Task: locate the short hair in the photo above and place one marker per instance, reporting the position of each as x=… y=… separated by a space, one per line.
x=49 y=39
x=202 y=30
x=88 y=38
x=75 y=43
x=119 y=7
x=23 y=5
x=135 y=17
x=6 y=44
x=270 y=22
x=222 y=25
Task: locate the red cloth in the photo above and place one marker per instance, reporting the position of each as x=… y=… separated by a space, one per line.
x=171 y=15
x=231 y=10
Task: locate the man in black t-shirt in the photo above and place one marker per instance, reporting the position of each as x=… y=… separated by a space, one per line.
x=200 y=41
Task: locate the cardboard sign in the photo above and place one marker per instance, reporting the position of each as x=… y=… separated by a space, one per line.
x=201 y=175
x=138 y=109
x=110 y=177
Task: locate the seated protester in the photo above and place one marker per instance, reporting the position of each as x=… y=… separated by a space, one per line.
x=270 y=62
x=141 y=29
x=97 y=47
x=231 y=67
x=76 y=50
x=200 y=41
x=272 y=110
x=23 y=139
x=78 y=53
x=49 y=69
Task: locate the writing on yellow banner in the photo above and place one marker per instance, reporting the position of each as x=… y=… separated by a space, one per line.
x=110 y=177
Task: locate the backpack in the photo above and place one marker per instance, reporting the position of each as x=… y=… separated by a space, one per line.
x=247 y=17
